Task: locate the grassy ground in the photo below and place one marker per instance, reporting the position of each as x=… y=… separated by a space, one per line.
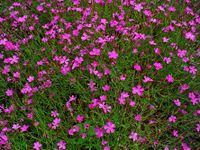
x=32 y=102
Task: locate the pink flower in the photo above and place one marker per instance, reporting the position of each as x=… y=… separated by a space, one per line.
x=73 y=130
x=16 y=126
x=77 y=62
x=30 y=78
x=80 y=118
x=75 y=32
x=183 y=88
x=99 y=132
x=61 y=145
x=56 y=123
x=24 y=128
x=22 y=19
x=113 y=55
x=177 y=102
x=169 y=78
x=198 y=127
x=181 y=53
x=138 y=7
x=16 y=75
x=65 y=69
x=175 y=133
x=138 y=117
x=185 y=146
x=103 y=142
x=165 y=39
x=132 y=103
x=26 y=89
x=123 y=97
x=147 y=79
x=190 y=36
x=106 y=88
x=40 y=8
x=9 y=92
x=172 y=118
x=92 y=86
x=137 y=67
x=9 y=45
x=172 y=9
x=157 y=51
x=113 y=23
x=67 y=37
x=106 y=148
x=86 y=126
x=158 y=65
x=95 y=52
x=148 y=13
x=166 y=148
x=54 y=114
x=85 y=37
x=138 y=90
x=122 y=77
x=193 y=98
x=192 y=69
x=133 y=136
x=109 y=127
x=37 y=146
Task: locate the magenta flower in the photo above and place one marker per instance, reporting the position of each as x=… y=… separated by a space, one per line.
x=24 y=128
x=109 y=127
x=54 y=114
x=106 y=148
x=167 y=60
x=80 y=118
x=103 y=142
x=192 y=69
x=30 y=78
x=181 y=53
x=175 y=133
x=132 y=103
x=106 y=88
x=133 y=136
x=123 y=97
x=169 y=78
x=16 y=74
x=138 y=90
x=61 y=145
x=137 y=67
x=99 y=132
x=158 y=65
x=177 y=102
x=56 y=122
x=138 y=117
x=74 y=129
x=122 y=77
x=92 y=86
x=9 y=92
x=16 y=126
x=138 y=7
x=95 y=52
x=185 y=146
x=172 y=118
x=83 y=135
x=190 y=36
x=147 y=79
x=198 y=127
x=113 y=55
x=37 y=146
x=183 y=88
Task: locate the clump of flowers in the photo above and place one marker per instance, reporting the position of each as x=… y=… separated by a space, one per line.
x=99 y=74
